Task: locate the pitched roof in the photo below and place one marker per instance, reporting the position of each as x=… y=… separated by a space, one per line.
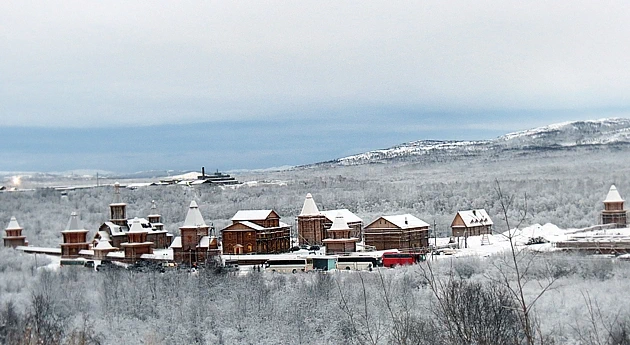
x=347 y=215
x=103 y=244
x=251 y=215
x=339 y=223
x=475 y=217
x=194 y=219
x=177 y=242
x=309 y=208
x=406 y=221
x=613 y=195
x=13 y=224
x=136 y=226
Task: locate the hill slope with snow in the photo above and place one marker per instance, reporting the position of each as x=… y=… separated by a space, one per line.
x=567 y=135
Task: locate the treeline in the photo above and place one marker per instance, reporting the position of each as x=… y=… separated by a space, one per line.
x=452 y=301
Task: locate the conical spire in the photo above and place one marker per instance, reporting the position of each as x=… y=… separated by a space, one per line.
x=613 y=195
x=339 y=223
x=194 y=219
x=117 y=199
x=13 y=224
x=73 y=223
x=309 y=208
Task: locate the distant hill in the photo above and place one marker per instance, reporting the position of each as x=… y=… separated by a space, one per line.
x=566 y=135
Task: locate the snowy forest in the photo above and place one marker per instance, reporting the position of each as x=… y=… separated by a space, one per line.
x=516 y=298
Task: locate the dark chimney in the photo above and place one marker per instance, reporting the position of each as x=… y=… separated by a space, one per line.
x=203 y=171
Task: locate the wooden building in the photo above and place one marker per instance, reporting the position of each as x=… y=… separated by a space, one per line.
x=404 y=232
x=313 y=224
x=614 y=212
x=256 y=231
x=13 y=234
x=137 y=243
x=471 y=223
x=74 y=238
x=339 y=237
x=195 y=245
x=116 y=229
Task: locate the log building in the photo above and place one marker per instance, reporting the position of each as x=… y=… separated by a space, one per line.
x=313 y=224
x=339 y=239
x=13 y=234
x=471 y=223
x=74 y=239
x=404 y=232
x=614 y=212
x=256 y=231
x=195 y=245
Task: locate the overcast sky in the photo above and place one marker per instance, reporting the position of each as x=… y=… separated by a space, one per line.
x=177 y=85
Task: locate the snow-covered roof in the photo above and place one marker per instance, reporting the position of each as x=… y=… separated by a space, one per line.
x=475 y=217
x=251 y=215
x=204 y=242
x=339 y=223
x=194 y=219
x=613 y=195
x=252 y=225
x=115 y=228
x=104 y=235
x=103 y=245
x=347 y=215
x=406 y=221
x=309 y=208
x=73 y=223
x=177 y=242
x=136 y=226
x=13 y=224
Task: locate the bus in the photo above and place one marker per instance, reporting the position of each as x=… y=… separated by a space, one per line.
x=391 y=259
x=356 y=262
x=286 y=265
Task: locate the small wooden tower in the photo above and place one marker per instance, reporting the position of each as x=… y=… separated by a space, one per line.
x=614 y=212
x=193 y=244
x=155 y=218
x=137 y=243
x=339 y=240
x=311 y=223
x=102 y=248
x=13 y=235
x=74 y=238
x=118 y=209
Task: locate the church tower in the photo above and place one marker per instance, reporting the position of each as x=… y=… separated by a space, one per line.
x=118 y=209
x=339 y=240
x=13 y=235
x=155 y=218
x=614 y=211
x=310 y=222
x=74 y=238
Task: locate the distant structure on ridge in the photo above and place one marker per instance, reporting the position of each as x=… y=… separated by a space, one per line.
x=13 y=235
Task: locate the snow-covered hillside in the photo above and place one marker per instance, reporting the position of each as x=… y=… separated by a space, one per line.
x=555 y=136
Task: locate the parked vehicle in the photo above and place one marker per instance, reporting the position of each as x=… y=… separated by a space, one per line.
x=285 y=265
x=356 y=262
x=400 y=259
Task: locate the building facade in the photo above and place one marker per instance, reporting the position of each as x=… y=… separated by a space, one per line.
x=74 y=239
x=471 y=223
x=313 y=225
x=13 y=235
x=404 y=232
x=195 y=246
x=339 y=237
x=614 y=212
x=256 y=231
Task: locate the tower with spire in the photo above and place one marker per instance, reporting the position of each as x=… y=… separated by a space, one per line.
x=118 y=209
x=614 y=212
x=13 y=234
x=194 y=245
x=339 y=237
x=74 y=238
x=310 y=223
x=160 y=237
